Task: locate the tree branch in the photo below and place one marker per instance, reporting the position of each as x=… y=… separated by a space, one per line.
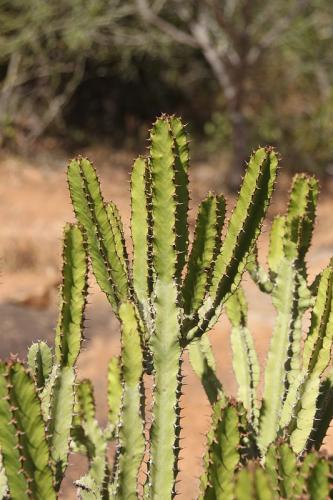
x=201 y=34
x=58 y=102
x=268 y=39
x=169 y=29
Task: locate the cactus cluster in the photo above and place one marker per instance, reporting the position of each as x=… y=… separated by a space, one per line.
x=167 y=294
x=291 y=418
x=296 y=382
x=232 y=469
x=166 y=298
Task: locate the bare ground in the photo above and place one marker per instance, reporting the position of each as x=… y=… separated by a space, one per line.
x=34 y=206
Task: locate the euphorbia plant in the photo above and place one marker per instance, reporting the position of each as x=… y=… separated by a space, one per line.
x=167 y=296
x=277 y=434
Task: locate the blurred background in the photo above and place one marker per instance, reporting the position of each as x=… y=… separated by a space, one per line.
x=89 y=77
x=240 y=72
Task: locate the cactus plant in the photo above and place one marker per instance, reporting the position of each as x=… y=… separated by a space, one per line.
x=288 y=478
x=167 y=296
x=88 y=438
x=36 y=404
x=294 y=413
x=234 y=468
x=166 y=299
x=294 y=385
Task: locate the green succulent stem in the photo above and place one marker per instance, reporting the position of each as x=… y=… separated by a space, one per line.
x=131 y=443
x=165 y=426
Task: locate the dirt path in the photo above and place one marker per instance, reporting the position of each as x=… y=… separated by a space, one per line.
x=34 y=207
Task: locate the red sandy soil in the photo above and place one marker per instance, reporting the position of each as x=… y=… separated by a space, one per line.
x=34 y=206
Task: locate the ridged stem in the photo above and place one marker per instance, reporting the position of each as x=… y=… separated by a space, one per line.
x=165 y=430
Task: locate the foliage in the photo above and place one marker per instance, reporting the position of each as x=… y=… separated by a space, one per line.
x=243 y=72
x=45 y=48
x=269 y=62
